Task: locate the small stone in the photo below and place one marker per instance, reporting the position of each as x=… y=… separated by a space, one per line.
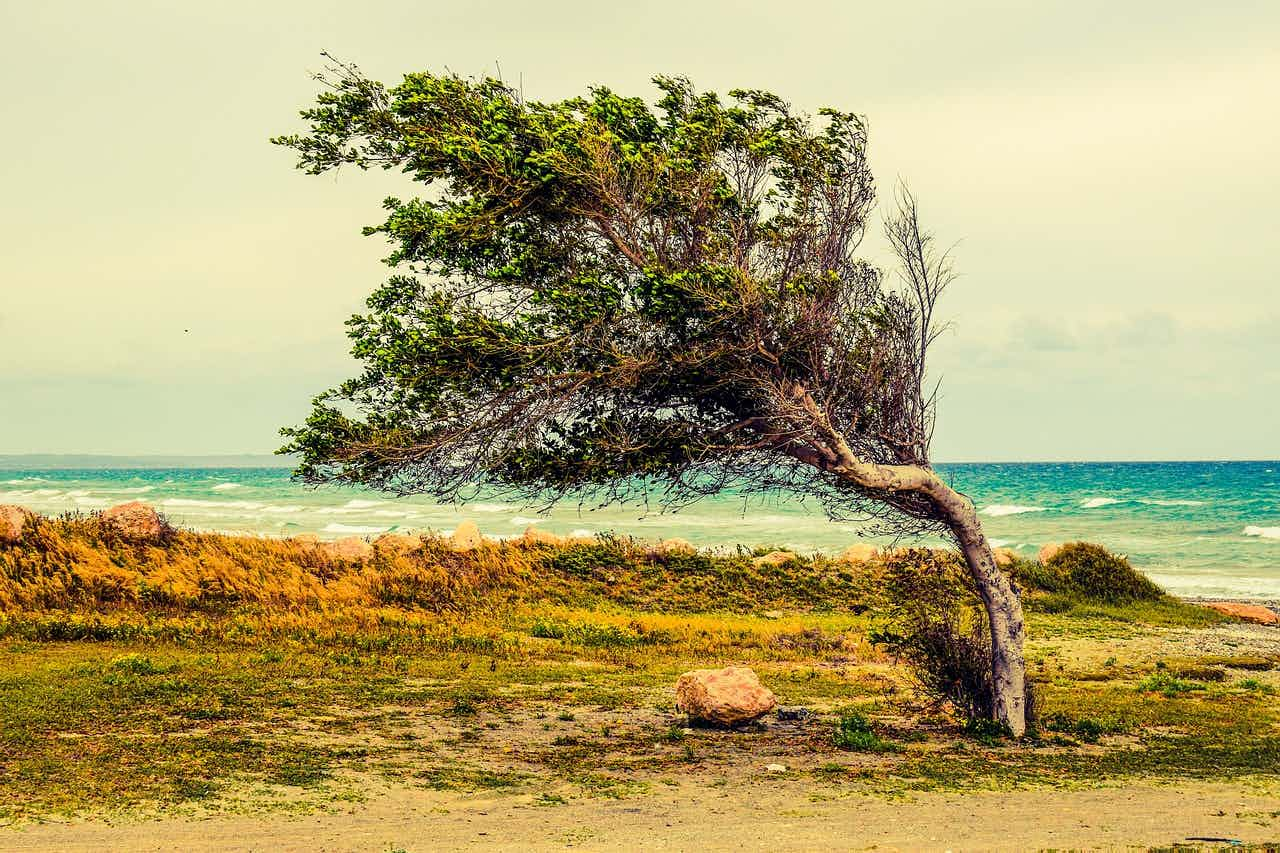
x=674 y=546
x=1004 y=556
x=775 y=558
x=534 y=536
x=776 y=768
x=793 y=714
x=134 y=520
x=772 y=614
x=12 y=520
x=725 y=697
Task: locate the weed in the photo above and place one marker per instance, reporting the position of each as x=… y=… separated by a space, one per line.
x=853 y=732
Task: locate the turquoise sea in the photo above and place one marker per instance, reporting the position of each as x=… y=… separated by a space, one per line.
x=1198 y=528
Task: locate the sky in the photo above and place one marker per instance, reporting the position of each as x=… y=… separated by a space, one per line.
x=1106 y=173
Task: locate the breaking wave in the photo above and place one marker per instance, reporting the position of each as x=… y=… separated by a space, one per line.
x=1009 y=509
x=1094 y=503
x=354 y=529
x=1263 y=532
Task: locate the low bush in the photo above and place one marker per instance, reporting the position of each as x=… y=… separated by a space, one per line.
x=854 y=733
x=1085 y=570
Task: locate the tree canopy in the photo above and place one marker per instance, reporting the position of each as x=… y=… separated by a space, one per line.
x=609 y=298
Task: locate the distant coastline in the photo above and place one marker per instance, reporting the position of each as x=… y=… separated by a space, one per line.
x=106 y=461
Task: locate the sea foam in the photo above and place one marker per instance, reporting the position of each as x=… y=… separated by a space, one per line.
x=1009 y=509
x=226 y=487
x=354 y=529
x=1264 y=532
x=1094 y=503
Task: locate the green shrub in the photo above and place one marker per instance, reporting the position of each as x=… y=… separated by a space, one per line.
x=854 y=733
x=1089 y=571
x=1168 y=685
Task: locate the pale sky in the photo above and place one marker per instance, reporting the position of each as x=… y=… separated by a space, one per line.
x=1109 y=173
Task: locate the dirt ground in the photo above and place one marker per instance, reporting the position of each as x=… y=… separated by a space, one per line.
x=776 y=817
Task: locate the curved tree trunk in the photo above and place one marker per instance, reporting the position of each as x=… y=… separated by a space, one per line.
x=1004 y=611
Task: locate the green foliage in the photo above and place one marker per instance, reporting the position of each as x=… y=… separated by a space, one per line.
x=1169 y=686
x=1088 y=571
x=853 y=732
x=935 y=622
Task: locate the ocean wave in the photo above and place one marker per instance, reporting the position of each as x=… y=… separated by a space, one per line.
x=355 y=529
x=998 y=543
x=24 y=480
x=20 y=494
x=225 y=487
x=582 y=533
x=486 y=507
x=1263 y=532
x=195 y=503
x=520 y=519
x=360 y=504
x=1009 y=509
x=392 y=513
x=1159 y=502
x=281 y=510
x=1094 y=503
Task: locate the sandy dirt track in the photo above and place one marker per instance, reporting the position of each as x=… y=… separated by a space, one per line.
x=777 y=818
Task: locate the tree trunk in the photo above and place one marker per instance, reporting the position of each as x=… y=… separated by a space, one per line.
x=1004 y=612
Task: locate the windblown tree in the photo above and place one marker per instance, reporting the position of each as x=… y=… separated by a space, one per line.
x=602 y=298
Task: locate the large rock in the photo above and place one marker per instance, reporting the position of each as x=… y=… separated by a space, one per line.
x=534 y=536
x=775 y=558
x=1004 y=557
x=466 y=536
x=398 y=543
x=1049 y=550
x=350 y=548
x=134 y=520
x=1248 y=612
x=12 y=520
x=674 y=546
x=859 y=553
x=725 y=697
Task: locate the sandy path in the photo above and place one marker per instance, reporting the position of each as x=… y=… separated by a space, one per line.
x=776 y=817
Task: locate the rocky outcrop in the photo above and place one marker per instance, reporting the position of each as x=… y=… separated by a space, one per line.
x=674 y=546
x=350 y=548
x=534 y=536
x=775 y=558
x=1004 y=556
x=1048 y=551
x=466 y=536
x=12 y=520
x=859 y=553
x=135 y=520
x=1248 y=612
x=724 y=697
x=398 y=543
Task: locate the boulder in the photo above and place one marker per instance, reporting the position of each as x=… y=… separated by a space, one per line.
x=350 y=548
x=134 y=520
x=308 y=539
x=775 y=558
x=1048 y=551
x=859 y=553
x=674 y=546
x=1248 y=612
x=534 y=536
x=398 y=543
x=1004 y=556
x=725 y=697
x=12 y=520
x=466 y=536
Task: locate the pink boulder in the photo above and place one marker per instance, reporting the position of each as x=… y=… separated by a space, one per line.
x=1248 y=612
x=12 y=520
x=726 y=697
x=134 y=520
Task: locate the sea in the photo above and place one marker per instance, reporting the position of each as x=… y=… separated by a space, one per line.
x=1200 y=529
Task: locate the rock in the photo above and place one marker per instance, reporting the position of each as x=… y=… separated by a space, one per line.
x=793 y=714
x=775 y=558
x=398 y=543
x=466 y=536
x=859 y=553
x=775 y=768
x=674 y=546
x=772 y=614
x=308 y=539
x=726 y=697
x=1047 y=552
x=134 y=520
x=350 y=548
x=1248 y=612
x=12 y=520
x=534 y=536
x=1004 y=556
